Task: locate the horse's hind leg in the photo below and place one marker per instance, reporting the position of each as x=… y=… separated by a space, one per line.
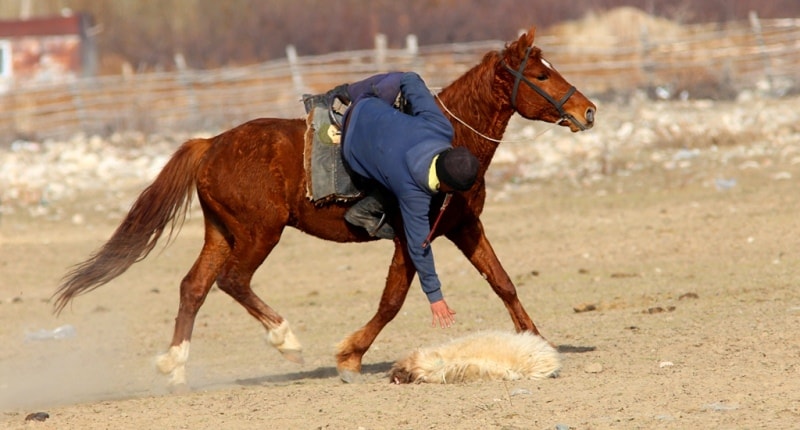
x=352 y=349
x=194 y=289
x=235 y=280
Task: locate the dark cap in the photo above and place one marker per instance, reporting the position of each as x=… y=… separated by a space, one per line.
x=458 y=168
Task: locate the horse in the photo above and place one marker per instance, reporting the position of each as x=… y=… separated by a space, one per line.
x=250 y=184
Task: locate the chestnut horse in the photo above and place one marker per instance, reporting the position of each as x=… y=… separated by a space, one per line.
x=251 y=184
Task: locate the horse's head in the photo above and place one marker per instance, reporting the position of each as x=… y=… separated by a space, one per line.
x=538 y=91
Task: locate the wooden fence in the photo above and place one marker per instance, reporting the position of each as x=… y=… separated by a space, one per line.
x=705 y=63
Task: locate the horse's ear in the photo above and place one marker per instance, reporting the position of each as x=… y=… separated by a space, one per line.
x=521 y=45
x=526 y=39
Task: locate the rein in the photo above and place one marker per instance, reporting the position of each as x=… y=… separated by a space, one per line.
x=559 y=105
x=472 y=129
x=447 y=197
x=446 y=201
x=518 y=77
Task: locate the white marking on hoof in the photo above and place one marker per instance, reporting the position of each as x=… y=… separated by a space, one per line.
x=286 y=342
x=174 y=363
x=178 y=378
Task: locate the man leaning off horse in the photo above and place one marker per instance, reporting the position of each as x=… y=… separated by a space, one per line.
x=409 y=154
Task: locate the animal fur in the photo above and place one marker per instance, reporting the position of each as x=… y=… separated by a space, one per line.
x=483 y=356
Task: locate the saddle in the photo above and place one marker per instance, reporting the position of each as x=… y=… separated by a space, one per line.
x=327 y=177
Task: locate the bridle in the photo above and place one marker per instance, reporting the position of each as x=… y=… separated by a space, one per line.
x=559 y=105
x=519 y=77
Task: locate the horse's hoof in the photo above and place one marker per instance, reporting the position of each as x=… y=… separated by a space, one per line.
x=165 y=364
x=293 y=355
x=350 y=377
x=179 y=388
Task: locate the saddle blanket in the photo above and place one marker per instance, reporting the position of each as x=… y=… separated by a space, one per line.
x=327 y=179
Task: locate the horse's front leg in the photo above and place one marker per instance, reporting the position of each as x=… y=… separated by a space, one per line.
x=471 y=240
x=353 y=347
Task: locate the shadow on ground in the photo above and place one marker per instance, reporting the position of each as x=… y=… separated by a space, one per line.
x=371 y=371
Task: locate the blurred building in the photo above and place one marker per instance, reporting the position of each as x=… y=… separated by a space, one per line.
x=46 y=49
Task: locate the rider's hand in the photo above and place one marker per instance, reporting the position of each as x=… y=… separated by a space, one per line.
x=442 y=314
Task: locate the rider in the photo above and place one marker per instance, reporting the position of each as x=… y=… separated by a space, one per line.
x=409 y=155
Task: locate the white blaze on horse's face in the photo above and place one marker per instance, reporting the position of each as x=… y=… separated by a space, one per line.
x=547 y=64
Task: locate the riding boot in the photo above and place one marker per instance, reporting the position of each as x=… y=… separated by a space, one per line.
x=326 y=100
x=369 y=213
x=341 y=92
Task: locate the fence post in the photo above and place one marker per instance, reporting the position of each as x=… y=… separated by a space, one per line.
x=412 y=48
x=294 y=69
x=380 y=52
x=185 y=81
x=648 y=65
x=77 y=102
x=755 y=24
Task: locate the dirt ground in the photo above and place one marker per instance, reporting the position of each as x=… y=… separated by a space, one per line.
x=696 y=320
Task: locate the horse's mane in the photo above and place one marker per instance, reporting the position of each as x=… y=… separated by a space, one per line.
x=481 y=98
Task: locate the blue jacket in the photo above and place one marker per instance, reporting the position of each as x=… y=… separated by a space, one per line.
x=396 y=149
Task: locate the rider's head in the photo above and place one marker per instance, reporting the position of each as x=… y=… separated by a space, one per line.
x=457 y=168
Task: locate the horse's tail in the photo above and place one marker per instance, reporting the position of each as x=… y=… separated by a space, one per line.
x=165 y=201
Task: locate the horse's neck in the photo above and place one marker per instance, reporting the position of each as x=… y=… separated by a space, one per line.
x=481 y=115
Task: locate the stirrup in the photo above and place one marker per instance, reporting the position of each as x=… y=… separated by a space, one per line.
x=369 y=214
x=383 y=230
x=336 y=114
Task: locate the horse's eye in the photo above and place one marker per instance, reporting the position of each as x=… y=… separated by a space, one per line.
x=541 y=77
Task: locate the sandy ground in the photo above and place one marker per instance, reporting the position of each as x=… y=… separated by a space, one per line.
x=696 y=320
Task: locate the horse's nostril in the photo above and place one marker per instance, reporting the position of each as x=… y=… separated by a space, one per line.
x=590 y=115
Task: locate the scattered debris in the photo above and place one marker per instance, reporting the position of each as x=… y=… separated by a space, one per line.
x=572 y=349
x=658 y=310
x=520 y=392
x=37 y=416
x=584 y=307
x=624 y=275
x=685 y=296
x=724 y=184
x=62 y=332
x=721 y=406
